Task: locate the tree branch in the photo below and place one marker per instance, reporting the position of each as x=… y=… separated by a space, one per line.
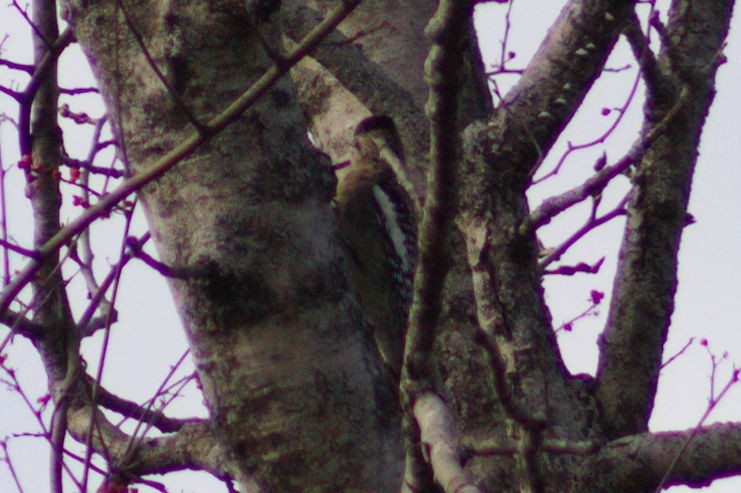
x=575 y=52
x=499 y=156
x=17 y=66
x=193 y=446
x=641 y=307
x=19 y=249
x=439 y=438
x=553 y=206
x=21 y=325
x=41 y=71
x=51 y=303
x=443 y=68
x=591 y=224
x=133 y=410
x=638 y=462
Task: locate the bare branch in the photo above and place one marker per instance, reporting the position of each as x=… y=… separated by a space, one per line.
x=440 y=441
x=32 y=23
x=42 y=69
x=191 y=447
x=678 y=353
x=595 y=141
x=6 y=458
x=79 y=90
x=639 y=461
x=585 y=36
x=553 y=206
x=595 y=300
x=133 y=410
x=52 y=307
x=19 y=249
x=17 y=66
x=87 y=323
x=640 y=44
x=13 y=94
x=171 y=271
x=500 y=154
x=447 y=29
x=631 y=347
x=581 y=267
x=98 y=170
x=504 y=54
x=591 y=224
x=21 y=325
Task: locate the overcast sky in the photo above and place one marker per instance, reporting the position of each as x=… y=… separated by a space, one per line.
x=148 y=340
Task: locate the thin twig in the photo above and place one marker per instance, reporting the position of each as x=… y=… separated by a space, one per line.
x=504 y=54
x=170 y=271
x=553 y=206
x=79 y=90
x=133 y=410
x=9 y=462
x=678 y=353
x=31 y=23
x=98 y=170
x=23 y=67
x=640 y=44
x=138 y=434
x=4 y=217
x=440 y=438
x=595 y=299
x=37 y=413
x=103 y=353
x=86 y=321
x=34 y=254
x=13 y=94
x=571 y=148
x=712 y=403
x=590 y=225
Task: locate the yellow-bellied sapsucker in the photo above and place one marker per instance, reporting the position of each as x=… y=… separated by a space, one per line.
x=378 y=222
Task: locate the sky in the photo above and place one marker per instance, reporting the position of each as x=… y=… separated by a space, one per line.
x=709 y=277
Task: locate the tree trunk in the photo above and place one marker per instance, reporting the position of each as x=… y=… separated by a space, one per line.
x=289 y=373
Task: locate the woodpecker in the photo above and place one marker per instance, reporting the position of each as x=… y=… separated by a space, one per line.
x=378 y=223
